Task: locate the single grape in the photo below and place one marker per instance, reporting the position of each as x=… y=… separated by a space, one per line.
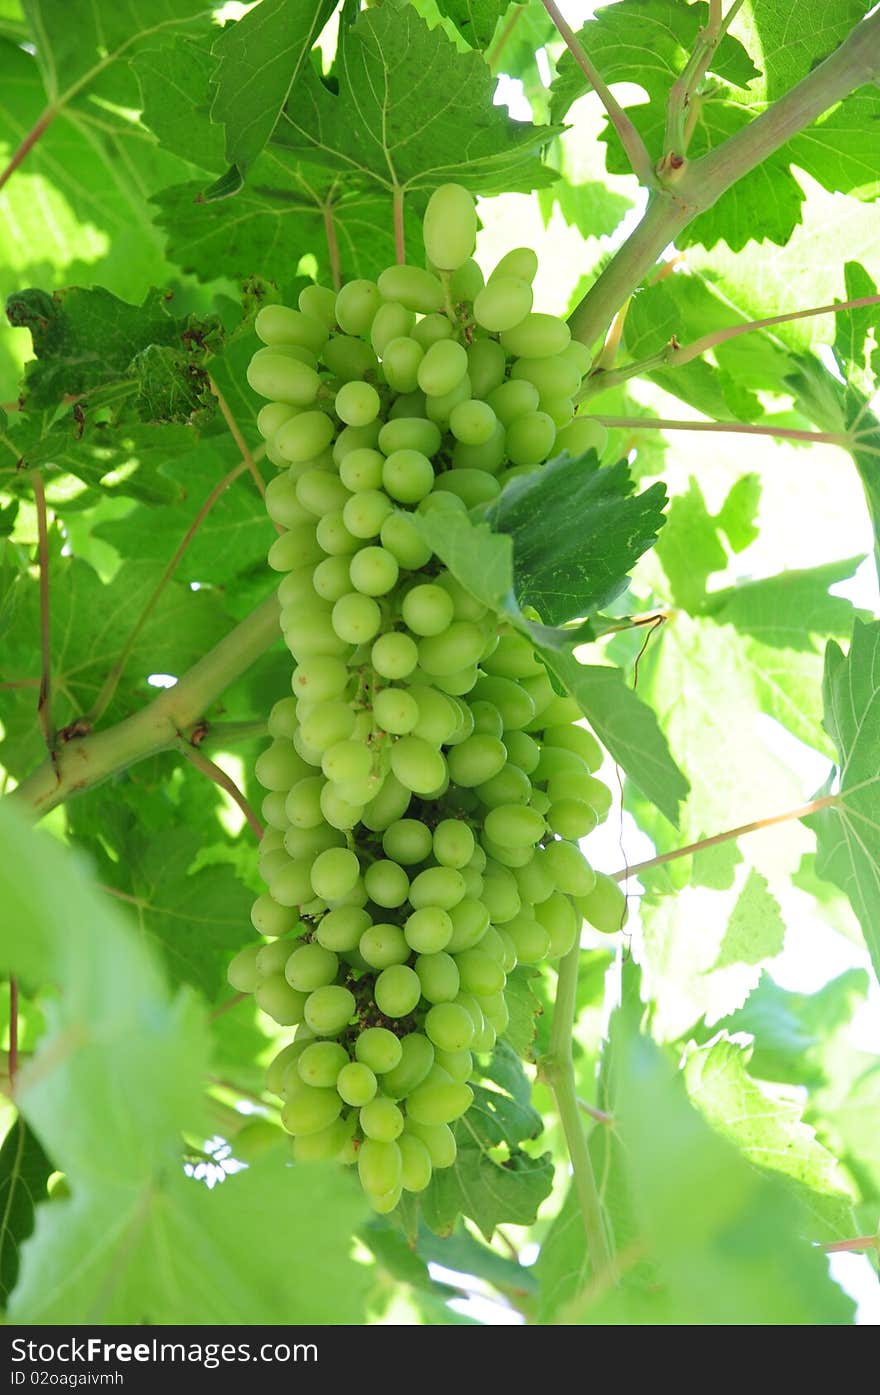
x=381 y=1119
x=428 y=931
x=407 y=476
x=436 y=886
x=242 y=973
x=439 y=1104
x=450 y=227
x=321 y=1062
x=504 y=302
x=605 y=906
x=415 y=1163
x=412 y=287
x=279 y=1001
x=328 y=1009
x=453 y=843
x=310 y=1110
x=407 y=841
x=439 y=977
x=340 y=929
x=395 y=710
x=394 y=655
x=390 y=322
x=472 y=422
x=379 y=1049
x=450 y=1028
x=356 y=1083
x=428 y=609
x=383 y=945
x=356 y=306
x=397 y=991
x=442 y=369
x=387 y=884
x=270 y=918
x=361 y=469
x=400 y=536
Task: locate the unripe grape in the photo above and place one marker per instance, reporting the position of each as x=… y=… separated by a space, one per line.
x=604 y=907
x=504 y=302
x=450 y=227
x=397 y=991
x=442 y=369
x=379 y=1049
x=413 y=287
x=241 y=973
x=328 y=1009
x=356 y=306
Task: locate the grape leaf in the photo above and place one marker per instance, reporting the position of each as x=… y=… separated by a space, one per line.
x=476 y=20
x=24 y=1172
x=848 y=831
x=727 y=1240
x=767 y=1128
x=689 y=548
x=478 y=556
x=698 y=963
x=260 y=58
x=791 y=42
x=524 y=1009
x=491 y=1193
x=384 y=124
x=625 y=725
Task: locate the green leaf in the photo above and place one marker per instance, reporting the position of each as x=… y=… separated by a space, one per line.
x=700 y=959
x=625 y=725
x=727 y=1240
x=260 y=58
x=480 y=557
x=524 y=1009
x=792 y=43
x=767 y=1128
x=848 y=832
x=174 y=79
x=591 y=533
x=24 y=1172
x=689 y=548
x=476 y=20
x=384 y=124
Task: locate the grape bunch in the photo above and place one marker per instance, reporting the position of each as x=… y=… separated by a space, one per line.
x=426 y=787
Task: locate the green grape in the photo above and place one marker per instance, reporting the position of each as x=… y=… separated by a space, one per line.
x=504 y=302
x=506 y=949
x=349 y=359
x=388 y=805
x=507 y=854
x=512 y=701
x=577 y=739
x=272 y=863
x=470 y=919
x=385 y=1202
x=319 y=303
x=242 y=973
x=412 y=287
x=334 y=873
x=303 y=803
x=356 y=306
x=357 y=404
x=436 y=886
x=415 y=1163
x=397 y=990
x=450 y=227
x=569 y=868
x=437 y=1138
x=319 y=492
x=390 y=322
x=537 y=336
x=442 y=369
x=306 y=843
x=287 y=1056
x=439 y=406
x=530 y=438
x=395 y=710
x=356 y=1083
x=340 y=930
x=531 y=939
x=487 y=457
x=379 y=1167
x=472 y=422
x=321 y=1062
x=333 y=536
x=407 y=476
x=352 y=438
x=379 y=1049
x=400 y=362
x=560 y=411
x=514 y=825
x=417 y=765
x=439 y=977
x=381 y=1119
x=558 y=710
x=331 y=579
x=428 y=609
x=282 y=504
x=427 y=931
x=347 y=762
x=466 y=606
x=416 y=1060
x=487 y=364
x=522 y=751
x=439 y=1104
x=448 y=653
x=296 y=587
x=571 y=819
x=276 y=324
x=407 y=841
x=476 y=760
x=361 y=468
x=512 y=400
x=479 y=972
x=325 y=1144
x=387 y=884
x=310 y=1110
x=438 y=718
x=534 y=881
x=581 y=435
x=328 y=1009
x=553 y=377
x=280 y=1001
x=466 y=281
x=450 y=1028
x=278 y=766
x=291 y=884
x=270 y=918
x=403 y=540
x=453 y=843
x=458 y=1065
x=561 y=921
x=319 y=679
x=605 y=906
x=273 y=415
x=522 y=263
x=304 y=436
x=473 y=487
x=295 y=549
x=383 y=945
x=431 y=330
x=356 y=618
x=311 y=966
x=342 y=813
x=273 y=811
x=509 y=786
x=409 y=433
x=365 y=512
x=500 y=894
x=326 y=723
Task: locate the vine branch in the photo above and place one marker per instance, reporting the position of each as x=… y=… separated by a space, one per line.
x=701 y=183
x=826 y=801
x=332 y=246
x=86 y=761
x=783 y=433
x=399 y=229
x=44 y=700
x=681 y=109
x=636 y=150
x=557 y=1069
x=249 y=457
x=219 y=776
